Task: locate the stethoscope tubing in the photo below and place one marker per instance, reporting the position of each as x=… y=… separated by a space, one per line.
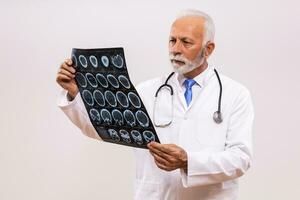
x=217 y=116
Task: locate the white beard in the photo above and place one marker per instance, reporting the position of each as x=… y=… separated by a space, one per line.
x=189 y=65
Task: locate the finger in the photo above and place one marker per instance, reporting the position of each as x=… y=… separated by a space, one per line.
x=160 y=159
x=62 y=77
x=163 y=167
x=67 y=73
x=64 y=85
x=162 y=154
x=154 y=146
x=161 y=147
x=69 y=62
x=67 y=67
x=165 y=163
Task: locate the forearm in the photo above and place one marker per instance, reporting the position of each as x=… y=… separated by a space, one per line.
x=205 y=168
x=76 y=112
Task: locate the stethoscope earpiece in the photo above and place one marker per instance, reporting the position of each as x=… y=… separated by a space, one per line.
x=218 y=118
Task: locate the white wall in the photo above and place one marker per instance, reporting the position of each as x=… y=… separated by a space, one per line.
x=43 y=156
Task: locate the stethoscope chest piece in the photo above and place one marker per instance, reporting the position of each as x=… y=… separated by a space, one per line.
x=218 y=118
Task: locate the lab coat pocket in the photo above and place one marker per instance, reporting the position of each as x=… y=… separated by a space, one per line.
x=147 y=190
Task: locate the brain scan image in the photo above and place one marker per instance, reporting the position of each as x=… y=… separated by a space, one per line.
x=83 y=61
x=110 y=98
x=99 y=98
x=88 y=97
x=122 y=99
x=134 y=99
x=91 y=79
x=102 y=80
x=95 y=115
x=106 y=117
x=137 y=137
x=114 y=135
x=124 y=81
x=74 y=59
x=105 y=61
x=81 y=79
x=117 y=61
x=94 y=61
x=148 y=136
x=118 y=117
x=125 y=136
x=129 y=118
x=111 y=101
x=142 y=118
x=113 y=81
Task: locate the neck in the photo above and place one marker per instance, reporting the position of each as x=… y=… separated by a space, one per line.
x=197 y=71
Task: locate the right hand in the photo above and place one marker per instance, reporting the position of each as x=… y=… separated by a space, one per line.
x=65 y=78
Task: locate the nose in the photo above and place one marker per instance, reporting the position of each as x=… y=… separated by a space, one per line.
x=176 y=48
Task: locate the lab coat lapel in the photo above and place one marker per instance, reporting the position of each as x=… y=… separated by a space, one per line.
x=179 y=94
x=182 y=100
x=202 y=81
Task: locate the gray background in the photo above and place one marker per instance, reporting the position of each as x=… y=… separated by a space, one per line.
x=43 y=156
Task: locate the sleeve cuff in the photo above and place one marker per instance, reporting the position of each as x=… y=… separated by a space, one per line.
x=183 y=178
x=199 y=171
x=196 y=167
x=64 y=103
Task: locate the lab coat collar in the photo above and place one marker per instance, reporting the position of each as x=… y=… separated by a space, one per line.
x=201 y=79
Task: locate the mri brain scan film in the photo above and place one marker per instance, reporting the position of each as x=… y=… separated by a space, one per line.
x=92 y=80
x=81 y=80
x=99 y=98
x=94 y=61
x=118 y=117
x=113 y=105
x=102 y=80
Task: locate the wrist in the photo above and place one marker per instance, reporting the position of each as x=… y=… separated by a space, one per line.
x=70 y=96
x=184 y=159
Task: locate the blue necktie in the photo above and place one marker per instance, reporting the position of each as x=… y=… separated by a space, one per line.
x=188 y=83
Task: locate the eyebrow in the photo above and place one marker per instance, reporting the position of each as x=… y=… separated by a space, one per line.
x=182 y=38
x=185 y=39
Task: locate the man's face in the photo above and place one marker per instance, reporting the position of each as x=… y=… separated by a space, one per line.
x=185 y=44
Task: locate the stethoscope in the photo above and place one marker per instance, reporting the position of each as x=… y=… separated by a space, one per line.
x=217 y=116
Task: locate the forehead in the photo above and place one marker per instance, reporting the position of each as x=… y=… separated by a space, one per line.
x=191 y=27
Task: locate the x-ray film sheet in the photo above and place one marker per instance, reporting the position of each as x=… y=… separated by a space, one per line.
x=115 y=109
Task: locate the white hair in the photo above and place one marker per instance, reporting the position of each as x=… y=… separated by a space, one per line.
x=209 y=27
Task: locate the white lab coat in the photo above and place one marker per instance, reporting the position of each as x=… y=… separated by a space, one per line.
x=217 y=153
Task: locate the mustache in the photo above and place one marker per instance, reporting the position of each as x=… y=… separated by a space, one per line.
x=180 y=58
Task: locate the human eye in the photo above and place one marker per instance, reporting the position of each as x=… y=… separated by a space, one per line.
x=172 y=40
x=187 y=43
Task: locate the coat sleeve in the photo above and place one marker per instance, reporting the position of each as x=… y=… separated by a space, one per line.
x=205 y=168
x=77 y=113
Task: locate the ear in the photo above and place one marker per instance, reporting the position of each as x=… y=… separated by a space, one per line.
x=209 y=48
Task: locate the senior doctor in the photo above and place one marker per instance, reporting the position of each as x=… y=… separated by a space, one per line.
x=199 y=157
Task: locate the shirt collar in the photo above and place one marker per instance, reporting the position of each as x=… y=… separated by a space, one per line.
x=201 y=79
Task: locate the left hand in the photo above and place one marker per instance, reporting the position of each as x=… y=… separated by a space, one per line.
x=168 y=157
